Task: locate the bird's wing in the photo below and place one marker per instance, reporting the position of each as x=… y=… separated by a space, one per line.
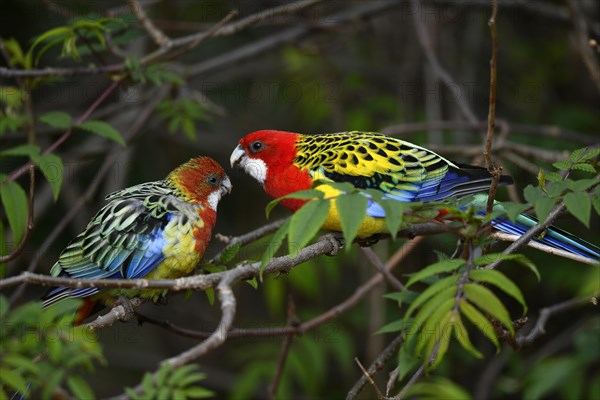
x=123 y=241
x=401 y=170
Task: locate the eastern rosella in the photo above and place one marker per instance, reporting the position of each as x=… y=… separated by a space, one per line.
x=155 y=230
x=285 y=162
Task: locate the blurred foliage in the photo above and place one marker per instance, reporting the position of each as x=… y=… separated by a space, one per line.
x=366 y=74
x=41 y=351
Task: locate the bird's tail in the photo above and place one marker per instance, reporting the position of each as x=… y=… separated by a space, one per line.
x=553 y=237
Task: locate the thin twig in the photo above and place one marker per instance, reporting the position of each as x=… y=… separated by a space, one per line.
x=29 y=226
x=436 y=66
x=378 y=264
x=583 y=42
x=156 y=34
x=545 y=313
x=285 y=348
x=390 y=350
x=114 y=84
x=164 y=50
x=367 y=376
x=492 y=169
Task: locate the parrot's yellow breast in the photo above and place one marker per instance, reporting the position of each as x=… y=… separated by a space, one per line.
x=368 y=227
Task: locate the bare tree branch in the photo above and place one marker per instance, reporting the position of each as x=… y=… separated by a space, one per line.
x=438 y=69
x=546 y=313
x=156 y=34
x=390 y=351
x=285 y=349
x=378 y=264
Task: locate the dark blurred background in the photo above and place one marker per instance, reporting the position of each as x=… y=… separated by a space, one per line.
x=342 y=65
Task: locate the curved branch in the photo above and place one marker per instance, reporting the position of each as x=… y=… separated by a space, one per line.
x=326 y=245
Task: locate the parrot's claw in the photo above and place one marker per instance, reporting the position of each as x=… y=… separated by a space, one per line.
x=337 y=242
x=128 y=309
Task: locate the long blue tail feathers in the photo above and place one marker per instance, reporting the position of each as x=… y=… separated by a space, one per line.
x=553 y=237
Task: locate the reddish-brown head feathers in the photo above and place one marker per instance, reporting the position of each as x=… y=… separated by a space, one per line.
x=199 y=179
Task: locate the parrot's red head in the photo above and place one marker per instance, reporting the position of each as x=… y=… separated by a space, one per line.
x=268 y=156
x=201 y=180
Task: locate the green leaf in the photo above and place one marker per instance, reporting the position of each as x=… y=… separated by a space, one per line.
x=14 y=201
x=434 y=328
x=438 y=388
x=273 y=246
x=590 y=154
x=443 y=341
x=394 y=214
x=434 y=304
x=462 y=336
x=543 y=206
x=252 y=282
x=437 y=268
x=431 y=291
x=351 y=209
x=180 y=373
x=192 y=377
x=80 y=388
x=584 y=167
x=563 y=165
x=230 y=252
x=405 y=296
x=407 y=362
x=210 y=295
x=199 y=393
x=103 y=129
x=580 y=205
x=514 y=209
x=52 y=167
x=596 y=201
x=498 y=279
x=394 y=326
x=308 y=194
x=57 y=119
x=483 y=298
x=13 y=380
x=480 y=321
x=519 y=258
x=28 y=150
x=305 y=223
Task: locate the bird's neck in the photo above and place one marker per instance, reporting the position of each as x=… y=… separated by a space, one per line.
x=203 y=227
x=285 y=180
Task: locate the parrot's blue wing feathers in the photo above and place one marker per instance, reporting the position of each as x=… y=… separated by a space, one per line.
x=123 y=241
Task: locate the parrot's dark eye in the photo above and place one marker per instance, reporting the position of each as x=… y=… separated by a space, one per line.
x=212 y=180
x=256 y=146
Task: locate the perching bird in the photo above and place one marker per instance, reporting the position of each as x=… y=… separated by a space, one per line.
x=285 y=162
x=155 y=230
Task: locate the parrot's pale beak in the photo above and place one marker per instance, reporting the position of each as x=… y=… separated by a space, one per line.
x=237 y=156
x=226 y=186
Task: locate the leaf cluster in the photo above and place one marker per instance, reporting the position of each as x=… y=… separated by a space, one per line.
x=41 y=350
x=171 y=383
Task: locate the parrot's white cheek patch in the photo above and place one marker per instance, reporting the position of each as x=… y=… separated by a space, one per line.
x=213 y=199
x=255 y=168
